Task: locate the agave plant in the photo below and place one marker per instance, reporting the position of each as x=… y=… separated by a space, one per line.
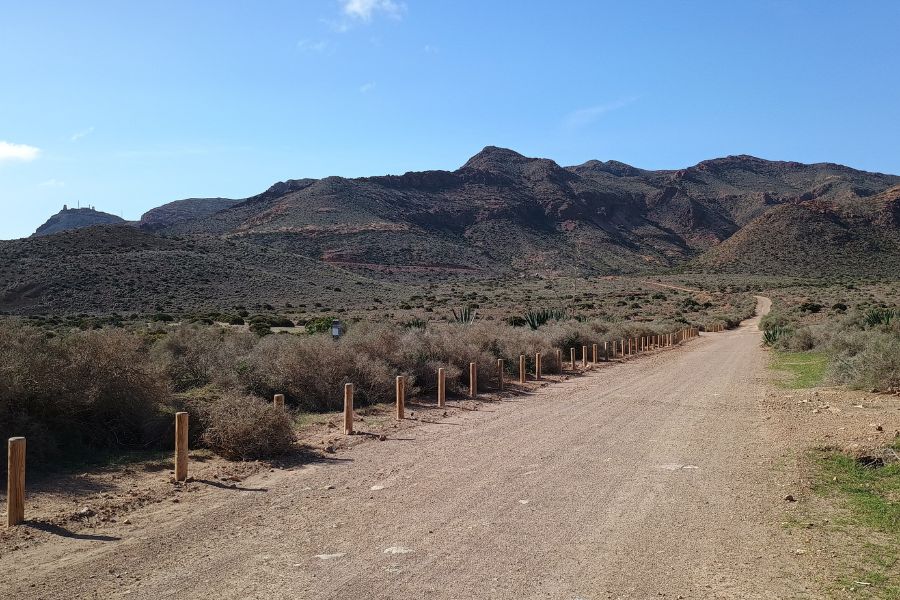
x=416 y=323
x=880 y=316
x=465 y=316
x=772 y=334
x=534 y=318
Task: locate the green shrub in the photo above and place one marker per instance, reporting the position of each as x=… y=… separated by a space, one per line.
x=319 y=325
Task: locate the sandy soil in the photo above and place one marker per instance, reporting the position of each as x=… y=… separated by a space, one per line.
x=658 y=477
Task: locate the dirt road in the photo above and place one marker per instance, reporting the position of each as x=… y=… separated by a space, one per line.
x=659 y=477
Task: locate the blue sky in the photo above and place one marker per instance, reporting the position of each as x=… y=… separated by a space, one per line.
x=128 y=105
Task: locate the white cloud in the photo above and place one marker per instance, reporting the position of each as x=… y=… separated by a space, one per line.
x=80 y=134
x=367 y=87
x=52 y=183
x=364 y=10
x=585 y=116
x=10 y=151
x=430 y=49
x=312 y=46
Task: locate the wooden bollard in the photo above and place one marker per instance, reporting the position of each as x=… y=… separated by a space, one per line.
x=473 y=379
x=401 y=397
x=348 y=408
x=181 y=446
x=442 y=387
x=559 y=366
x=521 y=368
x=15 y=481
x=500 y=373
x=606 y=351
x=584 y=360
x=537 y=366
x=278 y=401
x=594 y=353
x=572 y=356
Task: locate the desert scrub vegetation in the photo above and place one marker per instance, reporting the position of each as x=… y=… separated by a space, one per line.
x=115 y=389
x=68 y=395
x=231 y=426
x=862 y=347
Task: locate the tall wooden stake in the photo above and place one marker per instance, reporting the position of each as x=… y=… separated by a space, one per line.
x=584 y=360
x=473 y=379
x=521 y=368
x=401 y=396
x=500 y=373
x=442 y=387
x=572 y=356
x=181 y=446
x=15 y=481
x=537 y=366
x=594 y=353
x=348 y=408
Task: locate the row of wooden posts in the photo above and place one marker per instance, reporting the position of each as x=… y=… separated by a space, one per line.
x=15 y=489
x=619 y=348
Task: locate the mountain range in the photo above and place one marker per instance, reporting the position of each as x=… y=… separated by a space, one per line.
x=499 y=215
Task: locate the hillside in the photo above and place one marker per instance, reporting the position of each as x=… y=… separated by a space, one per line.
x=120 y=268
x=806 y=241
x=182 y=212
x=499 y=215
x=76 y=218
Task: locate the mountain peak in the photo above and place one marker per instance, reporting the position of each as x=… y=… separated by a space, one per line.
x=494 y=158
x=76 y=218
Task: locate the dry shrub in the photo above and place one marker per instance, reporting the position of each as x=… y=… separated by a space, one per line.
x=194 y=356
x=91 y=390
x=311 y=371
x=867 y=359
x=246 y=427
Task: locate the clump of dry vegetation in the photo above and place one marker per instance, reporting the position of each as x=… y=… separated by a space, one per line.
x=91 y=390
x=856 y=326
x=245 y=427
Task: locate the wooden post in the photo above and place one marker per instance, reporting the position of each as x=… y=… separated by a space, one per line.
x=584 y=360
x=15 y=481
x=401 y=397
x=442 y=387
x=559 y=360
x=278 y=400
x=572 y=356
x=594 y=353
x=181 y=446
x=348 y=408
x=521 y=368
x=500 y=373
x=537 y=366
x=473 y=379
